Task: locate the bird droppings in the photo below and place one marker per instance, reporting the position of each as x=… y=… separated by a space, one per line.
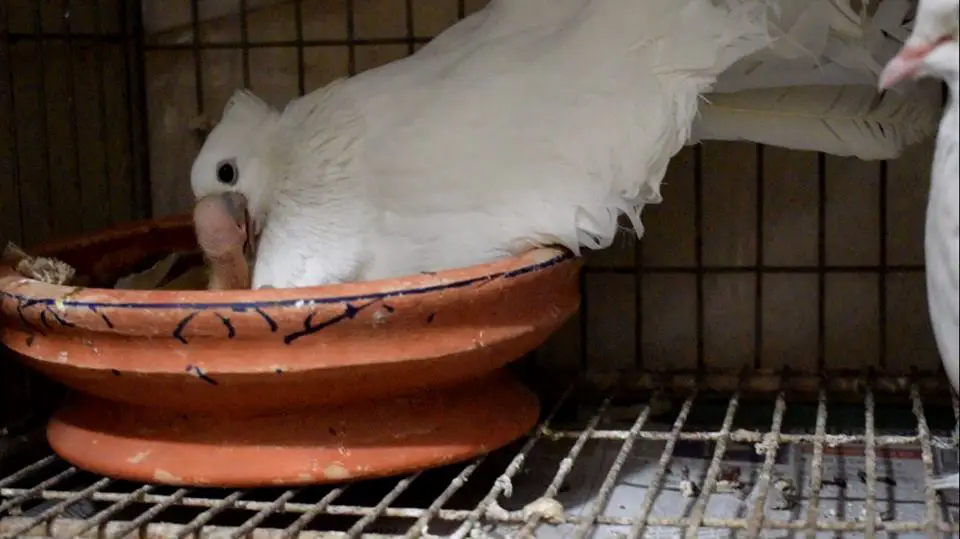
x=548 y=509
x=688 y=488
x=305 y=477
x=336 y=471
x=63 y=357
x=163 y=476
x=789 y=497
x=139 y=457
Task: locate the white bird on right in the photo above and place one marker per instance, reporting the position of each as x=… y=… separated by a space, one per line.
x=932 y=50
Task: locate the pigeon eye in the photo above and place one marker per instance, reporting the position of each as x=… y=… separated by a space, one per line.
x=227 y=172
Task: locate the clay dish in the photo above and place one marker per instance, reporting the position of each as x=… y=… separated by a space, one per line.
x=282 y=386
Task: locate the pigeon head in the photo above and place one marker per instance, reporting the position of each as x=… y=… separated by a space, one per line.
x=235 y=159
x=931 y=49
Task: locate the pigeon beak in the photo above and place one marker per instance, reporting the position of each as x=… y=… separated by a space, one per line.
x=905 y=64
x=909 y=60
x=220 y=220
x=222 y=225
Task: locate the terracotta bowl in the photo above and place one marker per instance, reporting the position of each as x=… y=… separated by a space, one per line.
x=282 y=386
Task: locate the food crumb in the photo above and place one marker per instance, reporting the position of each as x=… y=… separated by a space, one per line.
x=548 y=509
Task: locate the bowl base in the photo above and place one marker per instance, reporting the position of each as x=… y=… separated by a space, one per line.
x=326 y=445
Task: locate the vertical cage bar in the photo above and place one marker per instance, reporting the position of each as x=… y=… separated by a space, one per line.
x=294 y=529
x=11 y=228
x=244 y=45
x=71 y=76
x=461 y=9
x=515 y=465
x=926 y=457
x=195 y=526
x=356 y=530
x=301 y=61
x=351 y=38
x=419 y=528
x=870 y=464
x=197 y=55
x=771 y=445
x=137 y=106
x=566 y=465
x=638 y=270
x=60 y=507
x=102 y=117
x=758 y=274
x=821 y=262
x=148 y=516
x=609 y=482
x=699 y=509
x=816 y=466
x=653 y=488
x=43 y=120
x=698 y=253
x=254 y=521
x=411 y=36
x=882 y=277
x=103 y=516
x=584 y=327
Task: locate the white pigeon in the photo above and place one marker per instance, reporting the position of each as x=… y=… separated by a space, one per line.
x=933 y=50
x=527 y=123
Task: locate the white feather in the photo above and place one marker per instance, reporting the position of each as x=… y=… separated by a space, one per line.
x=528 y=123
x=821 y=42
x=526 y=129
x=840 y=120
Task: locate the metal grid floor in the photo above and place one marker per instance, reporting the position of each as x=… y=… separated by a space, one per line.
x=516 y=488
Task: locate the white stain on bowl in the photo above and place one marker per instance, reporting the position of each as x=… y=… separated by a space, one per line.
x=164 y=476
x=336 y=471
x=139 y=457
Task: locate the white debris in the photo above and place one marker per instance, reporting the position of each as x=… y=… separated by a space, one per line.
x=548 y=509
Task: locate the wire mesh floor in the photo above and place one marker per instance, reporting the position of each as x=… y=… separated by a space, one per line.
x=690 y=461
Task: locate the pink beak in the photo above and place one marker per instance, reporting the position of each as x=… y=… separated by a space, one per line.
x=905 y=64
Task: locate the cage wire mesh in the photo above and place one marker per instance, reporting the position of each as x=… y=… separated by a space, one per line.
x=800 y=273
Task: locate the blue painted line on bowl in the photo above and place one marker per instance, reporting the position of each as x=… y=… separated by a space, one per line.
x=26 y=301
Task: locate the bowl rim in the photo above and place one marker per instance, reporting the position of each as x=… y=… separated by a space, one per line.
x=26 y=290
